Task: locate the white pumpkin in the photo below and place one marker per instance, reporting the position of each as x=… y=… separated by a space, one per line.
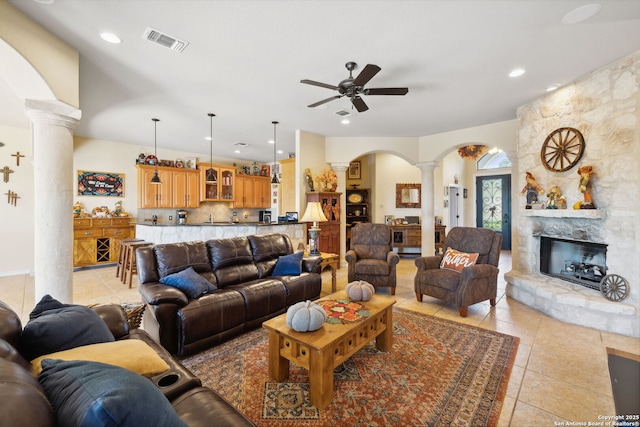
x=305 y=316
x=360 y=290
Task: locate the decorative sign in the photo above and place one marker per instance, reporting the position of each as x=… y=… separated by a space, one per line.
x=100 y=184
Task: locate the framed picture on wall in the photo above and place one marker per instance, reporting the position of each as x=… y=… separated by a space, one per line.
x=354 y=170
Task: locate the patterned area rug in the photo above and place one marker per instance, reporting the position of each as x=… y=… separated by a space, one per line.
x=439 y=373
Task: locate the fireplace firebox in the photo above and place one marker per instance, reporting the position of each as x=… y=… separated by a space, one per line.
x=576 y=261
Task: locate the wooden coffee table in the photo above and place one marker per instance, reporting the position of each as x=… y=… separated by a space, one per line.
x=321 y=351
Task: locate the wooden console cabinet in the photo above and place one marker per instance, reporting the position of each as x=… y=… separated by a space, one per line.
x=410 y=236
x=406 y=236
x=96 y=240
x=329 y=230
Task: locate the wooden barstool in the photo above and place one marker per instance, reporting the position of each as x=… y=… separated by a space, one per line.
x=130 y=260
x=121 y=255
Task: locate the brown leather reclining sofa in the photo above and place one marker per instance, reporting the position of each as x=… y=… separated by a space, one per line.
x=247 y=294
x=23 y=401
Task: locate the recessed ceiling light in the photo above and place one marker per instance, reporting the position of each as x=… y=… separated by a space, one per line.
x=111 y=38
x=345 y=121
x=552 y=87
x=517 y=72
x=581 y=13
x=280 y=151
x=271 y=141
x=236 y=151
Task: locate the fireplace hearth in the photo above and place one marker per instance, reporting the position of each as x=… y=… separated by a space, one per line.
x=576 y=261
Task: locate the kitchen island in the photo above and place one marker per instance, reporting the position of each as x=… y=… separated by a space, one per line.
x=172 y=233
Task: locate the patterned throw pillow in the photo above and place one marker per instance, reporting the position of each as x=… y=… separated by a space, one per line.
x=456 y=260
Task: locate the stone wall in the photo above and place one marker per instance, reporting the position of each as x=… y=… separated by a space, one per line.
x=605 y=107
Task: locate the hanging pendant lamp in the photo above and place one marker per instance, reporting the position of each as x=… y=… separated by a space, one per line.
x=155 y=179
x=274 y=180
x=211 y=174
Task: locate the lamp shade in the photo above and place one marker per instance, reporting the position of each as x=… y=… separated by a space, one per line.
x=313 y=213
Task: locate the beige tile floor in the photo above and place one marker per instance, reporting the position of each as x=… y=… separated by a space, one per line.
x=560 y=372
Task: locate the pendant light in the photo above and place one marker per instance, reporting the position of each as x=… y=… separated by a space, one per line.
x=274 y=180
x=155 y=179
x=211 y=174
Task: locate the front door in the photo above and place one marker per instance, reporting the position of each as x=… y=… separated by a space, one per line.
x=493 y=205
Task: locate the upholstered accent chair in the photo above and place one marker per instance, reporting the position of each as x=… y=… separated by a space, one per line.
x=371 y=257
x=472 y=284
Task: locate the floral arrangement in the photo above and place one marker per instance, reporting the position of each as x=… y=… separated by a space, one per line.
x=329 y=179
x=472 y=151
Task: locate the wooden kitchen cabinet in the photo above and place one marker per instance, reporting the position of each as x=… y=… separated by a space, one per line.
x=220 y=191
x=252 y=192
x=155 y=195
x=97 y=240
x=179 y=188
x=186 y=188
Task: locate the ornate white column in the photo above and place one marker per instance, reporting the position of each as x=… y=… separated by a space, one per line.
x=340 y=169
x=427 y=203
x=53 y=123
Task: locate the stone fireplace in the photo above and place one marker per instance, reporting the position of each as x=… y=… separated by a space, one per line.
x=604 y=107
x=576 y=261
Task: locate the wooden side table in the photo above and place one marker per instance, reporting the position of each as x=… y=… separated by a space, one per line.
x=333 y=262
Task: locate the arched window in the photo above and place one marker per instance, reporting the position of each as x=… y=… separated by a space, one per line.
x=497 y=160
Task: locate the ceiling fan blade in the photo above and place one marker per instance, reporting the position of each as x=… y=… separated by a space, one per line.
x=387 y=91
x=359 y=104
x=314 y=83
x=366 y=74
x=324 y=101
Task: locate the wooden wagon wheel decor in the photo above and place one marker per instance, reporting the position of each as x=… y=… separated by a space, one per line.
x=614 y=287
x=562 y=149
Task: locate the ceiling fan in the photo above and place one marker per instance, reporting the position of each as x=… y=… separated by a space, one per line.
x=354 y=87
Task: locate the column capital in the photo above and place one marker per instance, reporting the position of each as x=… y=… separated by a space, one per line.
x=428 y=166
x=339 y=166
x=53 y=113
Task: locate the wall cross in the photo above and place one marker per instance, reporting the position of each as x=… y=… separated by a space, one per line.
x=6 y=171
x=17 y=156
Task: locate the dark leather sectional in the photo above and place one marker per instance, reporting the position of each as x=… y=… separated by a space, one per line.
x=24 y=402
x=247 y=293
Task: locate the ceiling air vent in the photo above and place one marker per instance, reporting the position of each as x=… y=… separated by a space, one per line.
x=165 y=40
x=343 y=113
x=241 y=144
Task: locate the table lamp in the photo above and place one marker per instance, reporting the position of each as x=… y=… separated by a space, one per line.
x=314 y=214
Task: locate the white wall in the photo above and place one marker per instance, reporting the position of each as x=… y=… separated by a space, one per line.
x=389 y=171
x=16 y=222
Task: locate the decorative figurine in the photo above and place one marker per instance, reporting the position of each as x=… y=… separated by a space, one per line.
x=556 y=199
x=585 y=173
x=531 y=189
x=77 y=210
x=309 y=178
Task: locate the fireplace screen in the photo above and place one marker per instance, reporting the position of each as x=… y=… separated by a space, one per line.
x=576 y=261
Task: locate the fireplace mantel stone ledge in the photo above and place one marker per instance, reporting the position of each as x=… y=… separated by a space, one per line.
x=572 y=303
x=565 y=213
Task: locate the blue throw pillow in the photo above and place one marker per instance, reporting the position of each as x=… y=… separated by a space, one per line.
x=189 y=282
x=93 y=394
x=289 y=265
x=62 y=328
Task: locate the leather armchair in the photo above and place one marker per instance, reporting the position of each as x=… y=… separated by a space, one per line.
x=474 y=284
x=371 y=257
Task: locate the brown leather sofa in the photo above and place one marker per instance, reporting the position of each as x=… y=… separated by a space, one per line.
x=247 y=293
x=23 y=401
